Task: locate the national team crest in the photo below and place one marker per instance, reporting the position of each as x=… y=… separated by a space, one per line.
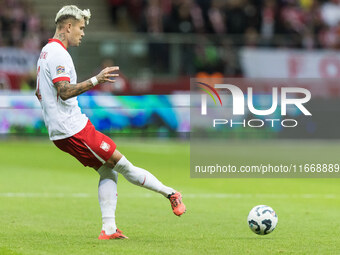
x=105 y=146
x=60 y=69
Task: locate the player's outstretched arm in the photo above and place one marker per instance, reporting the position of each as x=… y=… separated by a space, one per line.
x=66 y=90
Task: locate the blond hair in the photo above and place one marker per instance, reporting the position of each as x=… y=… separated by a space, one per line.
x=72 y=11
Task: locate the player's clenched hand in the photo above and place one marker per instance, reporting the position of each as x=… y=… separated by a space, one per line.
x=107 y=75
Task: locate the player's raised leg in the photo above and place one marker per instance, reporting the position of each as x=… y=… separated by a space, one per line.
x=143 y=178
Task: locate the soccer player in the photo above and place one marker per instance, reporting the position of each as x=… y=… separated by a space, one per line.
x=71 y=131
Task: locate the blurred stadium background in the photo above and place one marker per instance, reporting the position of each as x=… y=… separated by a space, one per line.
x=159 y=45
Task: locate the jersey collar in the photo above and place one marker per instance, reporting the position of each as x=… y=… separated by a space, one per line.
x=57 y=41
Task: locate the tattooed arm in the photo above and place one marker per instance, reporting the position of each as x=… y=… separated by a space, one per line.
x=66 y=90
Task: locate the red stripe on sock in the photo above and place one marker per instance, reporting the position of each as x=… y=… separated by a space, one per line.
x=144 y=180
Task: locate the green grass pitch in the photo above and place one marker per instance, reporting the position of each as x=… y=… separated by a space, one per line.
x=48 y=205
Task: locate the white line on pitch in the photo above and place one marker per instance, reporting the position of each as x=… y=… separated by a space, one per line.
x=47 y=195
x=188 y=195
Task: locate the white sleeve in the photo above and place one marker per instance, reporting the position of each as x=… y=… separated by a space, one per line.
x=59 y=67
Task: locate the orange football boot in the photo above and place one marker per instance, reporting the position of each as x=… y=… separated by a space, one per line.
x=177 y=205
x=117 y=235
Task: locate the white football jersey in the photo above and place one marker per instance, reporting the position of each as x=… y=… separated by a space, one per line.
x=62 y=118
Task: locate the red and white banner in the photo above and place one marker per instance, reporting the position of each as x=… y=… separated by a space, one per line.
x=17 y=61
x=282 y=63
x=14 y=64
